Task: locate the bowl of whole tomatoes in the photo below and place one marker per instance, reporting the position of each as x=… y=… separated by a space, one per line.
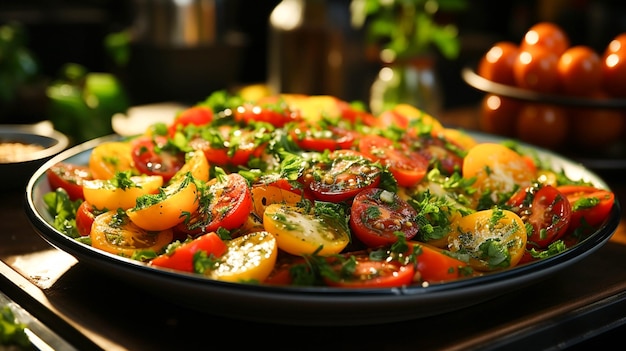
x=548 y=92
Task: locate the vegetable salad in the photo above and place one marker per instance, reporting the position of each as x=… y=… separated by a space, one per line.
x=316 y=191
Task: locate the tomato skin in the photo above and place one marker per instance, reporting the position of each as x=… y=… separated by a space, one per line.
x=535 y=68
x=547 y=35
x=499 y=114
x=497 y=63
x=237 y=148
x=373 y=274
x=348 y=173
x=546 y=209
x=614 y=67
x=407 y=166
x=195 y=115
x=84 y=218
x=330 y=138
x=376 y=214
x=277 y=114
x=230 y=203
x=69 y=177
x=182 y=257
x=150 y=159
x=580 y=71
x=543 y=125
x=593 y=216
x=434 y=265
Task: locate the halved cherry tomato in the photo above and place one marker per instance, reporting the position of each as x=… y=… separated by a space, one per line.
x=277 y=114
x=343 y=177
x=196 y=115
x=299 y=232
x=546 y=209
x=369 y=273
x=197 y=164
x=113 y=232
x=590 y=205
x=493 y=239
x=69 y=177
x=376 y=214
x=152 y=156
x=84 y=218
x=107 y=195
x=249 y=258
x=168 y=208
x=110 y=157
x=434 y=265
x=440 y=152
x=229 y=202
x=279 y=192
x=182 y=256
x=228 y=146
x=407 y=166
x=497 y=169
x=319 y=139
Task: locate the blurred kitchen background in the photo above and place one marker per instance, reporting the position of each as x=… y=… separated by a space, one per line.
x=182 y=50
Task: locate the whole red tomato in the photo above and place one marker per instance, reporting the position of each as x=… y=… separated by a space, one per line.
x=497 y=64
x=543 y=125
x=547 y=35
x=580 y=71
x=535 y=68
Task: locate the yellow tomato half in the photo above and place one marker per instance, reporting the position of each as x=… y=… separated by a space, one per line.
x=113 y=232
x=168 y=208
x=264 y=195
x=250 y=257
x=497 y=169
x=493 y=239
x=197 y=164
x=104 y=195
x=110 y=157
x=300 y=233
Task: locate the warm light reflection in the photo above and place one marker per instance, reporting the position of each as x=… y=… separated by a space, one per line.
x=494 y=102
x=612 y=60
x=494 y=54
x=532 y=37
x=43 y=268
x=286 y=15
x=525 y=57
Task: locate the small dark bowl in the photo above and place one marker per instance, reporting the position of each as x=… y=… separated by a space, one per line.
x=15 y=171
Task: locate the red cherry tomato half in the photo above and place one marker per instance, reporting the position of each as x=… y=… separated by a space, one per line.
x=152 y=157
x=407 y=166
x=196 y=115
x=320 y=139
x=369 y=273
x=228 y=147
x=590 y=205
x=434 y=265
x=347 y=173
x=546 y=209
x=228 y=207
x=277 y=114
x=84 y=218
x=182 y=257
x=69 y=177
x=376 y=214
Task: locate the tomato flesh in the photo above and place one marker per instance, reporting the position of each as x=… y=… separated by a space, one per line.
x=377 y=214
x=69 y=177
x=546 y=209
